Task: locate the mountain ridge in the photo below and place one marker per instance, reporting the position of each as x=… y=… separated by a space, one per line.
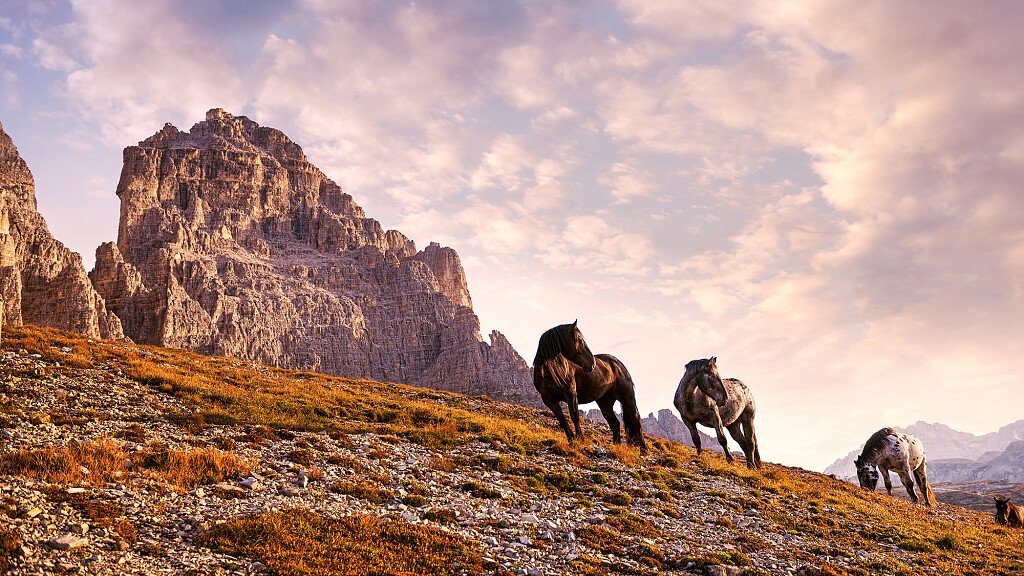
x=958 y=457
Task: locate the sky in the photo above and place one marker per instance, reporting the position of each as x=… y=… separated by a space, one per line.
x=826 y=195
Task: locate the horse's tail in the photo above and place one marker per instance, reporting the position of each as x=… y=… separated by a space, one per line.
x=627 y=397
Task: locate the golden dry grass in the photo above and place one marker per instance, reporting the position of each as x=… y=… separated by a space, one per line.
x=299 y=541
x=187 y=469
x=99 y=461
x=104 y=460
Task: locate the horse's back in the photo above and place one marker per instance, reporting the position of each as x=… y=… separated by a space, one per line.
x=609 y=375
x=915 y=451
x=736 y=387
x=897 y=447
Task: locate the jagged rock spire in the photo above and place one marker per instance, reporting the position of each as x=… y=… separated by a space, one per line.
x=231 y=242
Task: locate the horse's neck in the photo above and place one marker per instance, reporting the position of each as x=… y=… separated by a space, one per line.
x=698 y=404
x=691 y=390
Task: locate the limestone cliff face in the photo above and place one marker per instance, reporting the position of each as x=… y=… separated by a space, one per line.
x=231 y=242
x=41 y=281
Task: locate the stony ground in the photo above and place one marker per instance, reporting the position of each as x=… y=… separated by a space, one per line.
x=706 y=522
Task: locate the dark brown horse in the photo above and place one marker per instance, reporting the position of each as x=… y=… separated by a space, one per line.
x=1008 y=513
x=565 y=370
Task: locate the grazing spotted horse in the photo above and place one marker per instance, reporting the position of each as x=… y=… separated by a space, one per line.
x=703 y=397
x=564 y=370
x=888 y=450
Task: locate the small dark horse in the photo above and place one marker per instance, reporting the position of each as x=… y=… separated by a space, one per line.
x=565 y=370
x=1008 y=513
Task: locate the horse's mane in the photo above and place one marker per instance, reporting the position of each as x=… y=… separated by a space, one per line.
x=552 y=342
x=694 y=365
x=876 y=442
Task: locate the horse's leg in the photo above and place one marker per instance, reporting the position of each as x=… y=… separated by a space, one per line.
x=721 y=435
x=556 y=409
x=574 y=414
x=607 y=405
x=908 y=480
x=921 y=476
x=885 y=477
x=748 y=432
x=631 y=417
x=694 y=435
x=737 y=434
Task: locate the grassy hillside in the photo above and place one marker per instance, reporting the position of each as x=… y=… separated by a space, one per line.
x=313 y=474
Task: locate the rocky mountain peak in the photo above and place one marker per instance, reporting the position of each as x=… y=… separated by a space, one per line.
x=15 y=177
x=231 y=242
x=41 y=281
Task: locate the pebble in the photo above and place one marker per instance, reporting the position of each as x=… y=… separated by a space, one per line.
x=67 y=542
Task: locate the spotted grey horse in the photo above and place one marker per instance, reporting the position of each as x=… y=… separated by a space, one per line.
x=704 y=397
x=889 y=449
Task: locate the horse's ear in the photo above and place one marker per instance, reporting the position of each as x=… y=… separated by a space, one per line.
x=713 y=360
x=574 y=322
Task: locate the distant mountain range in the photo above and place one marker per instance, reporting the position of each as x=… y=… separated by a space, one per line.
x=960 y=457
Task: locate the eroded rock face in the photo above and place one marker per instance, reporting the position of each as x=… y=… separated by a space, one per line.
x=231 y=242
x=41 y=281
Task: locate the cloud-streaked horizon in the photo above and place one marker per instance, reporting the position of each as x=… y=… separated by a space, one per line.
x=826 y=195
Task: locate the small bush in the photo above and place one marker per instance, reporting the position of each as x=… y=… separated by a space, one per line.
x=96 y=461
x=440 y=515
x=10 y=541
x=301 y=456
x=478 y=491
x=949 y=542
x=414 y=500
x=189 y=469
x=618 y=498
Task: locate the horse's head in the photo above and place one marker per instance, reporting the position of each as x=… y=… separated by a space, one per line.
x=867 y=474
x=710 y=382
x=577 y=351
x=568 y=341
x=1001 y=508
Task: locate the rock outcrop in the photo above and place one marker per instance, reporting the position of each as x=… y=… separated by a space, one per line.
x=41 y=281
x=665 y=424
x=232 y=243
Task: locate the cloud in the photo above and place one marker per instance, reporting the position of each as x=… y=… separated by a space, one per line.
x=130 y=76
x=628 y=182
